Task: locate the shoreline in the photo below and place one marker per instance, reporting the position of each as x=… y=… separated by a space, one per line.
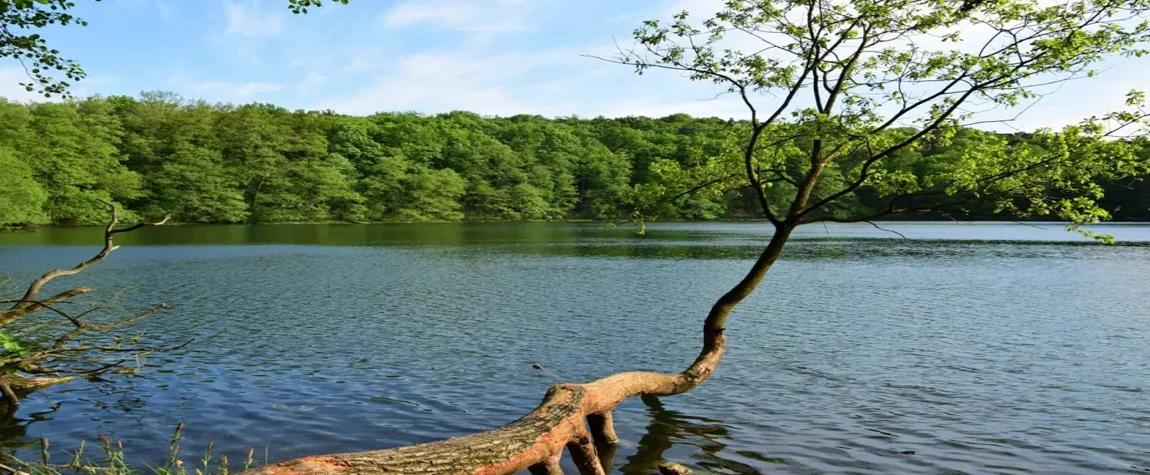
x=577 y=221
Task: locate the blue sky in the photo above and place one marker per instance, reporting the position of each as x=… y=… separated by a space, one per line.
x=495 y=57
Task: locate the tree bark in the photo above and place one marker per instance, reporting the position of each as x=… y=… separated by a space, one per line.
x=536 y=441
x=15 y=387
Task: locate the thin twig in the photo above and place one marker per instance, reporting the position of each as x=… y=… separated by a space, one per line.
x=880 y=228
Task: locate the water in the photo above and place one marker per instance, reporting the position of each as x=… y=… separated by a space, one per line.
x=980 y=348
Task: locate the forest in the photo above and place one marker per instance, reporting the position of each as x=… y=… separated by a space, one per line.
x=159 y=154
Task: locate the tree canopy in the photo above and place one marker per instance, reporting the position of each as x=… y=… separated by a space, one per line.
x=866 y=95
x=159 y=154
x=856 y=109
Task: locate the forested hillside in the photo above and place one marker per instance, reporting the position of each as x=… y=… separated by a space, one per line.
x=158 y=154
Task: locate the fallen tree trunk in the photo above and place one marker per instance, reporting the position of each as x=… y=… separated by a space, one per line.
x=571 y=416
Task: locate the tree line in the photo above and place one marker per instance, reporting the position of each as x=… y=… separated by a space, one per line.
x=159 y=154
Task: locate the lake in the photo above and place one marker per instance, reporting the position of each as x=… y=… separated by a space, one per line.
x=965 y=348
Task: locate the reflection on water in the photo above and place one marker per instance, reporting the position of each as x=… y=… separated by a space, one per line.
x=668 y=427
x=965 y=349
x=586 y=234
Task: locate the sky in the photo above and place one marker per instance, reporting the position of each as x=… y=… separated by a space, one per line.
x=492 y=57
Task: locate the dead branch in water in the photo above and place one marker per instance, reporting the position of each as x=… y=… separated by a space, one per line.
x=26 y=370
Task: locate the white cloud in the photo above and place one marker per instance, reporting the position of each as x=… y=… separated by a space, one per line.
x=443 y=82
x=492 y=16
x=236 y=90
x=10 y=88
x=483 y=77
x=699 y=9
x=245 y=32
x=313 y=80
x=246 y=19
x=724 y=107
x=361 y=62
x=165 y=8
x=1071 y=102
x=549 y=83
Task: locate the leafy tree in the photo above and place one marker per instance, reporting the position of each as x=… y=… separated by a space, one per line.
x=192 y=185
x=432 y=195
x=253 y=142
x=173 y=144
x=57 y=159
x=866 y=120
x=860 y=76
x=160 y=154
x=397 y=189
x=383 y=186
x=420 y=139
x=600 y=175
x=72 y=148
x=352 y=140
x=22 y=199
x=322 y=190
x=18 y=20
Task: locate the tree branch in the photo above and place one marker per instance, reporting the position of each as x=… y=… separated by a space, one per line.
x=28 y=303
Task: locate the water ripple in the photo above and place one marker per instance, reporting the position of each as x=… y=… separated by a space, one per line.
x=959 y=352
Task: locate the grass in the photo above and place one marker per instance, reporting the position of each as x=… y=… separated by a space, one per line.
x=113 y=462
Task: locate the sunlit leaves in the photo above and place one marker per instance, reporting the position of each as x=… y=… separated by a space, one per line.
x=10 y=348
x=865 y=70
x=301 y=6
x=18 y=41
x=22 y=198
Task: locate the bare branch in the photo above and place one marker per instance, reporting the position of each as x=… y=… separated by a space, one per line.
x=846 y=69
x=28 y=303
x=82 y=327
x=880 y=228
x=43 y=304
x=40 y=355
